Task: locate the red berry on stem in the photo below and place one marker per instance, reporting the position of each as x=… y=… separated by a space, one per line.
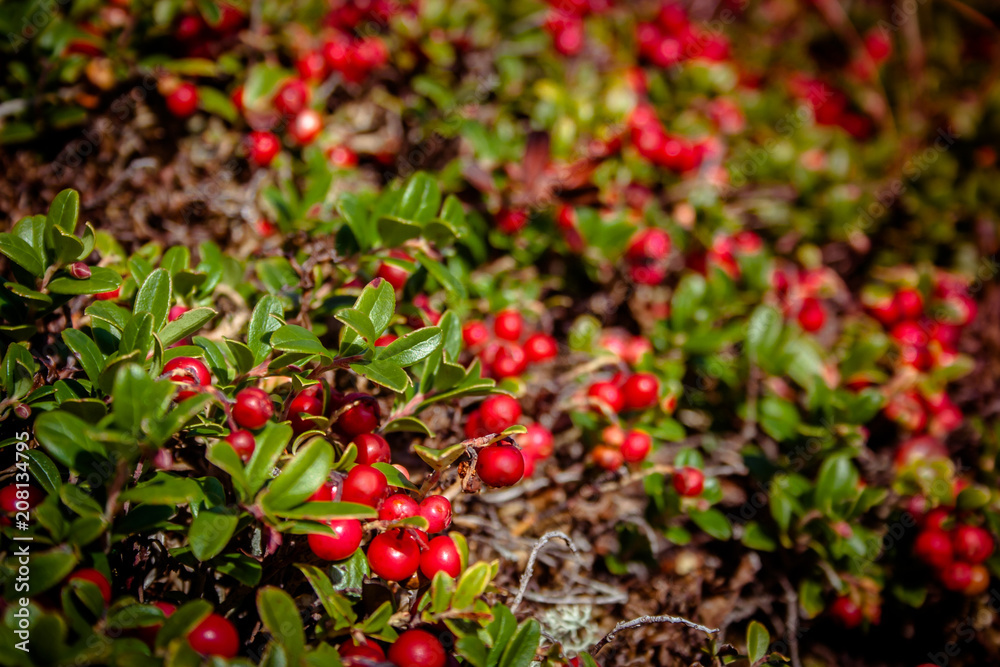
x=364 y=417
x=307 y=402
x=441 y=556
x=509 y=361
x=253 y=408
x=689 y=482
x=263 y=147
x=372 y=448
x=933 y=547
x=971 y=544
x=956 y=576
x=360 y=655
x=365 y=485
x=96 y=578
x=109 y=296
x=176 y=312
x=812 y=315
x=500 y=465
x=475 y=334
x=640 y=391
x=398 y=506
x=325 y=493
x=342 y=544
x=846 y=613
x=609 y=394
x=19 y=499
x=437 y=511
x=508 y=325
x=648 y=244
x=183 y=100
x=394 y=555
x=636 y=446
x=215 y=636
x=511 y=221
x=540 y=347
x=909 y=303
x=537 y=441
x=394 y=274
x=292 y=97
x=306 y=127
x=187 y=370
x=342 y=157
x=607 y=457
x=417 y=648
x=500 y=412
x=243 y=443
x=311 y=66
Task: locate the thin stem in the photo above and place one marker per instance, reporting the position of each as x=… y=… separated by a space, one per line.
x=648 y=620
x=530 y=568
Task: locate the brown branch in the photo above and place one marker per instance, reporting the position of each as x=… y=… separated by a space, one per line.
x=648 y=620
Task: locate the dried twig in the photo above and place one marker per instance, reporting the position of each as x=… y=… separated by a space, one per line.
x=530 y=568
x=792 y=620
x=648 y=620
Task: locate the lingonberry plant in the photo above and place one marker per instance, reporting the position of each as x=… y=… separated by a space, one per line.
x=343 y=316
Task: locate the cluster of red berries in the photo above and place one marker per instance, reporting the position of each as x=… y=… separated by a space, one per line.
x=725 y=251
x=671 y=39
x=496 y=414
x=957 y=555
x=413 y=648
x=654 y=143
x=646 y=256
x=509 y=351
x=198 y=39
x=801 y=293
x=564 y=22
x=830 y=106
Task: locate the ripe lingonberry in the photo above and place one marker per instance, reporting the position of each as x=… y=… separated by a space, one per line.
x=148 y=633
x=96 y=578
x=979 y=580
x=14 y=499
x=363 y=417
x=176 y=312
x=689 y=482
x=253 y=408
x=342 y=157
x=508 y=325
x=910 y=334
x=306 y=402
x=511 y=221
x=187 y=370
x=292 y=97
x=262 y=147
x=437 y=511
x=956 y=576
x=243 y=443
x=509 y=361
x=344 y=542
x=441 y=556
x=109 y=296
x=372 y=448
x=609 y=394
x=812 y=315
x=537 y=440
x=215 y=636
x=325 y=493
x=394 y=274
x=475 y=334
x=636 y=446
x=183 y=100
x=500 y=412
x=365 y=485
x=936 y=519
x=386 y=339
x=500 y=464
x=306 y=127
x=394 y=555
x=648 y=245
x=640 y=391
x=933 y=547
x=398 y=506
x=474 y=427
x=909 y=303
x=607 y=457
x=311 y=66
x=846 y=613
x=540 y=347
x=417 y=648
x=971 y=544
x=360 y=655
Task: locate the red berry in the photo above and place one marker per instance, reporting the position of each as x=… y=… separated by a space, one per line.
x=971 y=544
x=325 y=493
x=537 y=441
x=306 y=127
x=342 y=157
x=109 y=296
x=215 y=636
x=360 y=655
x=936 y=519
x=511 y=221
x=311 y=66
x=474 y=425
x=540 y=347
x=640 y=391
x=417 y=648
x=363 y=417
x=636 y=446
x=609 y=394
x=263 y=147
x=306 y=402
x=607 y=457
x=253 y=408
x=187 y=370
x=365 y=485
x=344 y=542
x=909 y=303
x=441 y=556
x=956 y=576
x=933 y=547
x=508 y=325
x=398 y=506
x=176 y=312
x=394 y=274
x=648 y=245
x=812 y=315
x=189 y=27
x=372 y=449
x=10 y=501
x=846 y=613
x=909 y=333
x=370 y=53
x=437 y=511
x=96 y=578
x=147 y=633
x=500 y=412
x=243 y=443
x=509 y=361
x=386 y=339
x=183 y=100
x=475 y=334
x=922 y=447
x=689 y=482
x=885 y=310
x=394 y=555
x=292 y=97
x=500 y=465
